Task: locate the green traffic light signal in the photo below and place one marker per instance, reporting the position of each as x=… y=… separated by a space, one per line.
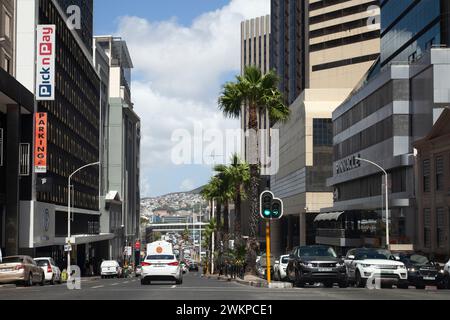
x=270 y=207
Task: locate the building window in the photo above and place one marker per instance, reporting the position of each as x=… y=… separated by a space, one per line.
x=7 y=25
x=426 y=176
x=1 y=147
x=24 y=159
x=441 y=228
x=439 y=173
x=7 y=63
x=427 y=228
x=323 y=132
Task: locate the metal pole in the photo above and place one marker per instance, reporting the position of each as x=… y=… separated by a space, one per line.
x=268 y=250
x=200 y=236
x=68 y=212
x=212 y=241
x=387 y=213
x=387 y=197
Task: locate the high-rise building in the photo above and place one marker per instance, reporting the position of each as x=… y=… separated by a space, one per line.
x=395 y=106
x=86 y=17
x=410 y=28
x=16 y=110
x=255 y=51
x=321 y=50
x=72 y=140
x=123 y=146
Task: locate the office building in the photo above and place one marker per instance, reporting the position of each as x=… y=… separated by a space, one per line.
x=72 y=107
x=16 y=115
x=322 y=50
x=123 y=147
x=395 y=106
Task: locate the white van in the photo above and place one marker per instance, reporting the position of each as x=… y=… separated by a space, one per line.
x=161 y=264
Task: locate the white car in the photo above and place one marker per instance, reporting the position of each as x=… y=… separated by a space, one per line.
x=279 y=269
x=51 y=272
x=367 y=263
x=161 y=267
x=110 y=268
x=447 y=267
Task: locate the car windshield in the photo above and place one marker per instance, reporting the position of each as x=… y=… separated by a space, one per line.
x=12 y=260
x=161 y=257
x=317 y=252
x=373 y=254
x=42 y=263
x=416 y=260
x=109 y=264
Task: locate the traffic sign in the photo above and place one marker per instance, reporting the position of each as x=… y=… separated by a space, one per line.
x=67 y=248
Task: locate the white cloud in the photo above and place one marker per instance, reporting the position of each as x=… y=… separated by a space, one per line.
x=180 y=70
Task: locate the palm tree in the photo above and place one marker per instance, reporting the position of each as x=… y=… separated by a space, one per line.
x=260 y=93
x=226 y=193
x=239 y=175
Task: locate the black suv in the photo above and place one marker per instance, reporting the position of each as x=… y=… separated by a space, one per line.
x=316 y=264
x=422 y=271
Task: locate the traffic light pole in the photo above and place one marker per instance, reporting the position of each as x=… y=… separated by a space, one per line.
x=268 y=251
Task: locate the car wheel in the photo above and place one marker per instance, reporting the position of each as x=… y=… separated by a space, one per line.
x=143 y=282
x=386 y=286
x=298 y=282
x=343 y=284
x=42 y=283
x=29 y=281
x=420 y=287
x=403 y=285
x=53 y=282
x=359 y=281
x=328 y=284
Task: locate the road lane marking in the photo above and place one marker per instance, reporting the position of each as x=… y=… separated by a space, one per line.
x=115 y=284
x=97 y=287
x=173 y=287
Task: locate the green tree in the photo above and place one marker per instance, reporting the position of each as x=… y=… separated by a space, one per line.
x=260 y=94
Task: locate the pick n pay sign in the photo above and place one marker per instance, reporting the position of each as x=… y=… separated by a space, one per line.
x=45 y=66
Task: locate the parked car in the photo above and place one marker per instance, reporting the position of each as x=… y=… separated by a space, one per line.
x=261 y=266
x=421 y=271
x=316 y=264
x=21 y=269
x=280 y=267
x=370 y=263
x=110 y=269
x=51 y=271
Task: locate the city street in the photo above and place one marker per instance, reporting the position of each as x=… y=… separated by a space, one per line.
x=131 y=289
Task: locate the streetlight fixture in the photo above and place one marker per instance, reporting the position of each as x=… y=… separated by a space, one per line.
x=68 y=210
x=387 y=196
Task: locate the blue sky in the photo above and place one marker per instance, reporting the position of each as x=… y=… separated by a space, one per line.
x=184 y=10
x=183 y=51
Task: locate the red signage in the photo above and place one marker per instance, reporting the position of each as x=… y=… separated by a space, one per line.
x=40 y=143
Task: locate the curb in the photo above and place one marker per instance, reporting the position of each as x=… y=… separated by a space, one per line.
x=8 y=286
x=257 y=284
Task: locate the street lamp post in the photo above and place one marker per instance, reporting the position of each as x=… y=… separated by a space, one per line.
x=387 y=196
x=68 y=210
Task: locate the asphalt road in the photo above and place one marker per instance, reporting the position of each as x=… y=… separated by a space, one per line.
x=196 y=287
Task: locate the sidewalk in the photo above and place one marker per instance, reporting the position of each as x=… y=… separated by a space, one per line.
x=251 y=280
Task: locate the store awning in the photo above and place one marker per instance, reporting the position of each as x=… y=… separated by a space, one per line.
x=330 y=216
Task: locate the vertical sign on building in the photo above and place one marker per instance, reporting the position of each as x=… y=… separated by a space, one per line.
x=40 y=143
x=45 y=64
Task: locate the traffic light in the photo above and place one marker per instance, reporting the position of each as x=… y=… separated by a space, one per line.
x=270 y=207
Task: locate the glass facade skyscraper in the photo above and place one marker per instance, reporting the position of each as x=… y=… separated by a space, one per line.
x=411 y=27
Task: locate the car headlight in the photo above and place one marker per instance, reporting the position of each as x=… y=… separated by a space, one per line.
x=441 y=271
x=401 y=267
x=364 y=265
x=339 y=264
x=411 y=270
